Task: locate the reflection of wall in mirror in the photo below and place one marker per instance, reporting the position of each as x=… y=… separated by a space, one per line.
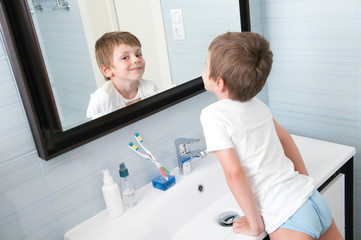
x=98 y=17
x=64 y=47
x=143 y=18
x=203 y=20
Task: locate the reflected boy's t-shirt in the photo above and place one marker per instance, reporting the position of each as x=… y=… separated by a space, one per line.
x=107 y=99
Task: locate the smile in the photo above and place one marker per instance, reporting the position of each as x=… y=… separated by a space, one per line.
x=136 y=69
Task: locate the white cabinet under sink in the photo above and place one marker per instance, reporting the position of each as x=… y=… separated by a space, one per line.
x=334 y=194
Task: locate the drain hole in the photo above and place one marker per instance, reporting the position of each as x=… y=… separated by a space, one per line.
x=227 y=219
x=200 y=188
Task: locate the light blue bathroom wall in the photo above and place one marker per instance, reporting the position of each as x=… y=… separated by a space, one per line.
x=315 y=84
x=256 y=15
x=257 y=25
x=25 y=203
x=67 y=58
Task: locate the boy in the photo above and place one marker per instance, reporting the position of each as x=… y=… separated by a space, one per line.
x=262 y=165
x=120 y=59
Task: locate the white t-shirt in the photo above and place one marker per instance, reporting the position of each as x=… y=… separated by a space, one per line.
x=107 y=99
x=248 y=128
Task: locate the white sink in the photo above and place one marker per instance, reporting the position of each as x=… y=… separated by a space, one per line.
x=180 y=213
x=205 y=225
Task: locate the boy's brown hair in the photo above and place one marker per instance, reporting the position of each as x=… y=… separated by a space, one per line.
x=243 y=60
x=105 y=45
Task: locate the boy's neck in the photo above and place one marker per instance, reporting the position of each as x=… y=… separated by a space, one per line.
x=222 y=95
x=128 y=89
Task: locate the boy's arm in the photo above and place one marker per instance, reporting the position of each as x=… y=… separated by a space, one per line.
x=290 y=148
x=237 y=181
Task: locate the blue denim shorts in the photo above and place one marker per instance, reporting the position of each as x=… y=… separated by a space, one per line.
x=313 y=217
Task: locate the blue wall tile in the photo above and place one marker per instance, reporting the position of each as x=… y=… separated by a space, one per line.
x=314 y=86
x=26 y=205
x=14 y=131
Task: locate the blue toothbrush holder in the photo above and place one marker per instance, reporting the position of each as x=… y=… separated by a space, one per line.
x=163 y=184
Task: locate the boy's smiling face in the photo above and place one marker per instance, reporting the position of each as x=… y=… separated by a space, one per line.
x=128 y=63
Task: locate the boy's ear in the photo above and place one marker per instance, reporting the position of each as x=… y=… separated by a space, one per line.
x=220 y=85
x=106 y=71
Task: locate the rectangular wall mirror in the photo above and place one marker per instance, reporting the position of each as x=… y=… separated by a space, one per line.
x=51 y=49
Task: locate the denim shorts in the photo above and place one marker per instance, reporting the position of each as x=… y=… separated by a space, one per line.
x=313 y=217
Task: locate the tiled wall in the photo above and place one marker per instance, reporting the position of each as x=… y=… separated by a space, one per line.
x=315 y=83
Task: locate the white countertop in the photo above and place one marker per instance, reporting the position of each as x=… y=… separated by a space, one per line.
x=322 y=160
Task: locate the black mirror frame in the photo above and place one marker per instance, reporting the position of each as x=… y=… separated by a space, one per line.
x=32 y=81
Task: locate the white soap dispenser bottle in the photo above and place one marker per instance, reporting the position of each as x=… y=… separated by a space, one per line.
x=112 y=197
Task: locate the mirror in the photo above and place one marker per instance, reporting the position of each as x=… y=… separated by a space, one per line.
x=41 y=71
x=67 y=32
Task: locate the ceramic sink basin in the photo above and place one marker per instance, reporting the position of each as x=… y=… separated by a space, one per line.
x=206 y=225
x=188 y=210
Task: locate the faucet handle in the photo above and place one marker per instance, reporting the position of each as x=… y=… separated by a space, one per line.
x=181 y=144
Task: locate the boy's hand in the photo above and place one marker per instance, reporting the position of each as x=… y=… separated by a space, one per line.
x=242 y=226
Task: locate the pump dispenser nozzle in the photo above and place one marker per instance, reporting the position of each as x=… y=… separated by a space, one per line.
x=123 y=171
x=107 y=179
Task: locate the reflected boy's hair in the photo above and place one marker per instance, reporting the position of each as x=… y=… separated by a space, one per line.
x=105 y=45
x=243 y=60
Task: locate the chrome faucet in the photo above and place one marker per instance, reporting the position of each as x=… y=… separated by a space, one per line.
x=184 y=156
